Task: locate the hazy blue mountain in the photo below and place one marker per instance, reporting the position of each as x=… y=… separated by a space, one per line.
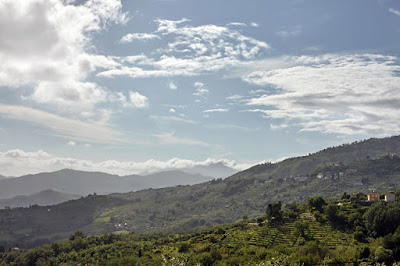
x=84 y=183
x=43 y=198
x=214 y=170
x=169 y=178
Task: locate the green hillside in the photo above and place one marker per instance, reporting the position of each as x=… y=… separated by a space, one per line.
x=183 y=208
x=333 y=232
x=345 y=153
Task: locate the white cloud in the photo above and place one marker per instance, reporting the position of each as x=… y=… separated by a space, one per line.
x=254 y=24
x=275 y=127
x=216 y=110
x=191 y=51
x=71 y=143
x=138 y=36
x=138 y=100
x=239 y=24
x=172 y=86
x=235 y=97
x=345 y=94
x=171 y=139
x=89 y=131
x=198 y=85
x=46 y=48
x=17 y=162
x=72 y=94
x=201 y=92
x=394 y=11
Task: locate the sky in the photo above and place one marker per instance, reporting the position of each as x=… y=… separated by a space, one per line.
x=125 y=87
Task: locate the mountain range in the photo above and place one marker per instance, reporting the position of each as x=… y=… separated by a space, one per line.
x=215 y=170
x=82 y=183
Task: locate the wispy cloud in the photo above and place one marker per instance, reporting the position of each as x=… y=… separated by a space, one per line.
x=93 y=132
x=172 y=118
x=219 y=110
x=171 y=139
x=290 y=31
x=238 y=24
x=193 y=51
x=394 y=11
x=345 y=94
x=234 y=98
x=138 y=36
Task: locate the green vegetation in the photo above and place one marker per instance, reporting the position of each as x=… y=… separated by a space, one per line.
x=319 y=232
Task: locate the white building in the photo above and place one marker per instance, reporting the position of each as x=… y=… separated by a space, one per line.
x=390 y=197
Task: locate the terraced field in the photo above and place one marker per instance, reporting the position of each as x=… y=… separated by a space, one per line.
x=270 y=234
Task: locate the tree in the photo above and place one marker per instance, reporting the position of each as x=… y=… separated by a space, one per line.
x=77 y=234
x=299 y=228
x=317 y=203
x=273 y=211
x=382 y=219
x=331 y=212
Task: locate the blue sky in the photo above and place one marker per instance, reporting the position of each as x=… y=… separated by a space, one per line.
x=133 y=86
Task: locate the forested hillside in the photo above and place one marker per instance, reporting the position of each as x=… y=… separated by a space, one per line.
x=320 y=232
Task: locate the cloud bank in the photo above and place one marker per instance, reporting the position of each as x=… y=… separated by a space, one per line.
x=47 y=47
x=190 y=51
x=341 y=94
x=18 y=162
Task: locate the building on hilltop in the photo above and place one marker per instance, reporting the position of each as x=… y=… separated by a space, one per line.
x=390 y=197
x=373 y=197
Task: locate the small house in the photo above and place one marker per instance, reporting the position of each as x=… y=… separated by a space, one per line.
x=373 y=197
x=390 y=197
